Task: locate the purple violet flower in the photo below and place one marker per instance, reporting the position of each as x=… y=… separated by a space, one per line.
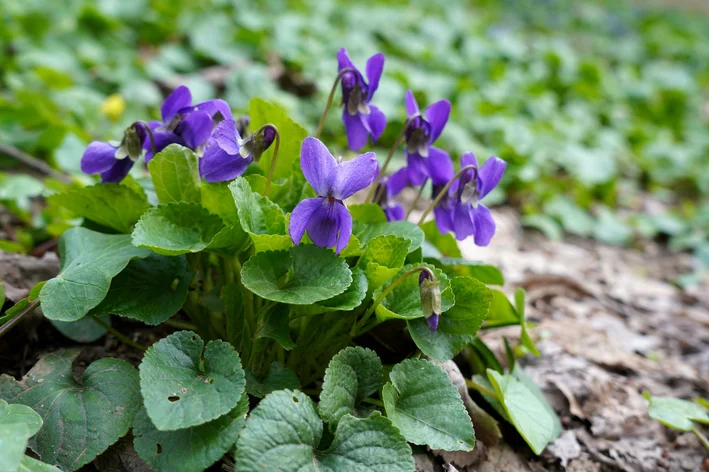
x=227 y=155
x=113 y=160
x=360 y=118
x=389 y=187
x=461 y=211
x=184 y=123
x=424 y=160
x=325 y=217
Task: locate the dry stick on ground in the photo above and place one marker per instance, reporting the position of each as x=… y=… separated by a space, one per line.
x=33 y=162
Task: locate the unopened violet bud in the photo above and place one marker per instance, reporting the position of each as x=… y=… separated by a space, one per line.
x=430 y=291
x=433 y=322
x=131 y=145
x=257 y=143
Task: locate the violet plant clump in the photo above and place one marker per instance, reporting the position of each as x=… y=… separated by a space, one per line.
x=277 y=263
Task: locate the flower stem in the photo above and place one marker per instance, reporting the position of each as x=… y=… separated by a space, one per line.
x=330 y=97
x=702 y=439
x=122 y=337
x=13 y=321
x=373 y=401
x=418 y=197
x=476 y=386
x=444 y=191
x=375 y=184
x=275 y=155
x=382 y=296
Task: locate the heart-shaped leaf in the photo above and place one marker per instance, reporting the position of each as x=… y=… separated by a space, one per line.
x=404 y=300
x=292 y=134
x=346 y=301
x=190 y=449
x=115 y=206
x=175 y=174
x=89 y=261
x=439 y=245
x=186 y=384
x=423 y=403
x=284 y=430
x=20 y=414
x=305 y=274
x=382 y=258
x=402 y=229
x=528 y=413
x=457 y=326
x=81 y=420
x=677 y=413
x=150 y=290
x=176 y=228
x=17 y=424
x=85 y=330
x=352 y=375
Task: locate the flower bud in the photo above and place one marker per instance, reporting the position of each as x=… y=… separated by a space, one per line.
x=430 y=291
x=256 y=144
x=131 y=145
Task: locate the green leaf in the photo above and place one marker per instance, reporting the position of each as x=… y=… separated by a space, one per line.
x=502 y=312
x=423 y=403
x=262 y=219
x=453 y=266
x=352 y=375
x=306 y=274
x=81 y=419
x=404 y=300
x=524 y=337
x=85 y=330
x=175 y=174
x=445 y=244
x=283 y=433
x=150 y=290
x=346 y=301
x=2 y=294
x=20 y=414
x=458 y=326
x=277 y=378
x=115 y=206
x=89 y=261
x=292 y=136
x=29 y=464
x=402 y=229
x=13 y=442
x=185 y=384
x=383 y=257
x=176 y=228
x=676 y=413
x=367 y=213
x=527 y=413
x=190 y=449
x=218 y=199
x=274 y=324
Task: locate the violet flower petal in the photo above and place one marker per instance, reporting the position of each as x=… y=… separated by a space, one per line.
x=394 y=212
x=484 y=225
x=397 y=182
x=344 y=226
x=318 y=165
x=374 y=68
x=437 y=115
x=418 y=170
x=343 y=60
x=162 y=140
x=357 y=134
x=444 y=219
x=301 y=215
x=376 y=121
x=440 y=166
x=118 y=171
x=98 y=157
x=195 y=129
x=227 y=136
x=217 y=165
x=468 y=159
x=352 y=176
x=490 y=174
x=463 y=223
x=212 y=107
x=412 y=108
x=179 y=98
x=323 y=225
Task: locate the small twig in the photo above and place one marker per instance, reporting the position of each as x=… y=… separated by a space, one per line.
x=122 y=337
x=4 y=329
x=37 y=164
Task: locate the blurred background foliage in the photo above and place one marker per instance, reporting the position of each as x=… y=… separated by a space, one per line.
x=600 y=107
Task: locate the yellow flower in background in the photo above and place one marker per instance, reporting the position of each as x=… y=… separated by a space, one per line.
x=113 y=107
